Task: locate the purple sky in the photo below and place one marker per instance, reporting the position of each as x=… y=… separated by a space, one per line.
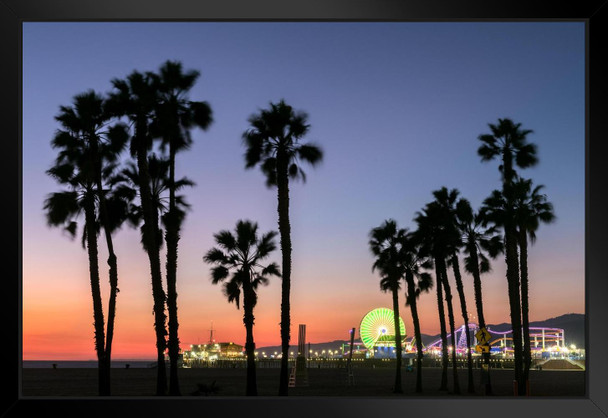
x=396 y=107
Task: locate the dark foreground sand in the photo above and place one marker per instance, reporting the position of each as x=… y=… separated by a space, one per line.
x=138 y=382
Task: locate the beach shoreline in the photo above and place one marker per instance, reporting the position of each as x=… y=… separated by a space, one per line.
x=369 y=382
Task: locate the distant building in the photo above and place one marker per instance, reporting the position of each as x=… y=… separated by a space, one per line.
x=203 y=353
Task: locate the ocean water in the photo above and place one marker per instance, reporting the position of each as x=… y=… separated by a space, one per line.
x=90 y=364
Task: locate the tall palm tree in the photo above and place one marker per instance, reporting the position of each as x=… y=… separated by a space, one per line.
x=435 y=240
x=241 y=255
x=62 y=210
x=447 y=201
x=273 y=143
x=478 y=241
x=531 y=208
x=89 y=149
x=508 y=142
x=136 y=98
x=176 y=115
x=417 y=282
x=387 y=245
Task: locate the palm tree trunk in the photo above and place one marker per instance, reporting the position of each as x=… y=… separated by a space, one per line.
x=482 y=322
x=172 y=238
x=411 y=298
x=448 y=299
x=465 y=316
x=151 y=237
x=398 y=387
x=523 y=263
x=248 y=320
x=111 y=320
x=512 y=268
x=98 y=319
x=477 y=287
x=113 y=269
x=514 y=303
x=442 y=326
x=285 y=232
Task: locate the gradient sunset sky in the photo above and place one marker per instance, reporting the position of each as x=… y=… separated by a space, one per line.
x=397 y=109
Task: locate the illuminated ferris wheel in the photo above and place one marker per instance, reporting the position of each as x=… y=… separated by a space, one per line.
x=378 y=326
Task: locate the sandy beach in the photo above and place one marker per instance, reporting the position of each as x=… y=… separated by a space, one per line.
x=369 y=382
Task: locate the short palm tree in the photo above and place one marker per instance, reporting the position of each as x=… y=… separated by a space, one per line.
x=237 y=263
x=89 y=148
x=175 y=116
x=507 y=142
x=387 y=245
x=136 y=98
x=273 y=143
x=417 y=281
x=531 y=208
x=477 y=242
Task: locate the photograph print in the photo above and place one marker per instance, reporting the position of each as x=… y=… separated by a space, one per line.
x=303 y=209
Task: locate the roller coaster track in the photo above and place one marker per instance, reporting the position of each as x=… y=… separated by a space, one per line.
x=551 y=334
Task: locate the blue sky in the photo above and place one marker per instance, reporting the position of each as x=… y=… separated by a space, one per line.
x=397 y=109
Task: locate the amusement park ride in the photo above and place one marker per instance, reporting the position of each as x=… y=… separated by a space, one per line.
x=542 y=339
x=377 y=332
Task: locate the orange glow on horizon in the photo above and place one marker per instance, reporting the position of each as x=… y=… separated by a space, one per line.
x=64 y=331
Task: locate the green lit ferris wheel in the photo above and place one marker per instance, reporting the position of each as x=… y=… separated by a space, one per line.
x=378 y=327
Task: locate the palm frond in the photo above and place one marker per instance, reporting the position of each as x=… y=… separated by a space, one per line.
x=425 y=282
x=259 y=280
x=311 y=153
x=118 y=136
x=215 y=255
x=63 y=173
x=225 y=239
x=266 y=245
x=202 y=115
x=65 y=140
x=525 y=156
x=232 y=290
x=219 y=273
x=60 y=207
x=269 y=168
x=271 y=269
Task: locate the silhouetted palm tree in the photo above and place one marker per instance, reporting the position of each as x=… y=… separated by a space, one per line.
x=447 y=201
x=175 y=116
x=273 y=142
x=477 y=241
x=136 y=98
x=531 y=208
x=417 y=282
x=508 y=142
x=435 y=239
x=387 y=245
x=89 y=149
x=158 y=168
x=241 y=254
